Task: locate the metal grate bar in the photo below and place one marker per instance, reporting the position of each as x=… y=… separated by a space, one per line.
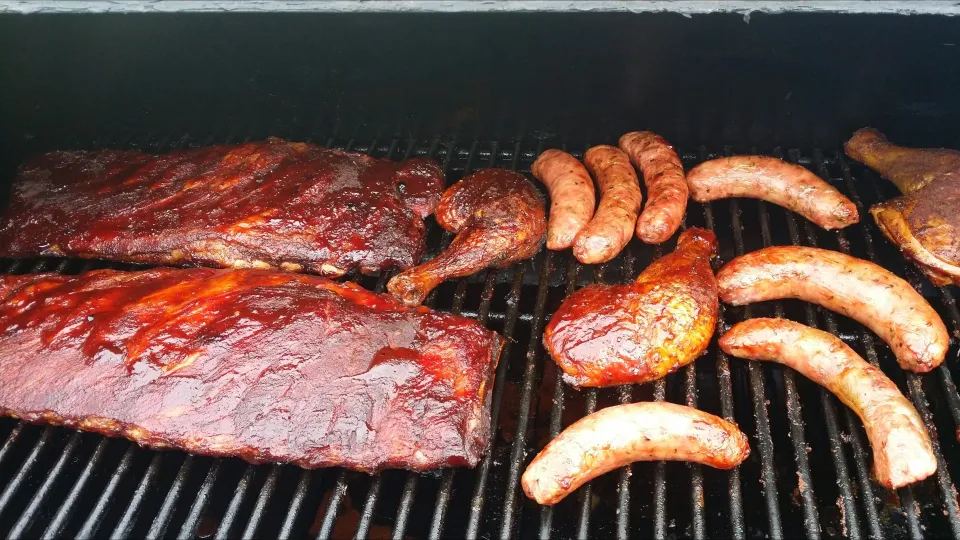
x=30 y=513
x=189 y=528
x=262 y=501
x=851 y=421
x=625 y=395
x=92 y=523
x=406 y=505
x=556 y=412
x=590 y=406
x=586 y=492
x=24 y=469
x=410 y=486
x=293 y=510
x=366 y=518
x=63 y=513
x=764 y=438
x=524 y=422
x=914 y=384
x=726 y=399
x=849 y=515
x=446 y=484
x=660 y=476
x=223 y=531
x=11 y=440
x=129 y=517
x=159 y=525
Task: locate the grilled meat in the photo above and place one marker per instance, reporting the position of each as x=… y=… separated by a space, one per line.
x=266 y=366
x=667 y=190
x=902 y=453
x=611 y=228
x=616 y=436
x=271 y=204
x=850 y=286
x=605 y=335
x=923 y=222
x=499 y=219
x=785 y=184
x=572 y=198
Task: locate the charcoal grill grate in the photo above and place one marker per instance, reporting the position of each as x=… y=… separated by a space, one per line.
x=810 y=470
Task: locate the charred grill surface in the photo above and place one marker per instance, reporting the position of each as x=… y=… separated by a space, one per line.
x=263 y=365
x=271 y=204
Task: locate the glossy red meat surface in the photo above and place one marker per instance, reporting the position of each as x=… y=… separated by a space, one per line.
x=267 y=366
x=270 y=204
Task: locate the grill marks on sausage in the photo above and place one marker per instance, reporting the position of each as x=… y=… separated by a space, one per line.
x=773 y=180
x=855 y=288
x=901 y=445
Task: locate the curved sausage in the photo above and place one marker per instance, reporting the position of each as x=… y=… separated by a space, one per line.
x=902 y=453
x=667 y=191
x=572 y=197
x=612 y=225
x=619 y=435
x=852 y=287
x=776 y=181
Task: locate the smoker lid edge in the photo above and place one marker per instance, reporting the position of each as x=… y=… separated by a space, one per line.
x=682 y=7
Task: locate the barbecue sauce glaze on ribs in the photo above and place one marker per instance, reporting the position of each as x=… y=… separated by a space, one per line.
x=267 y=366
x=270 y=204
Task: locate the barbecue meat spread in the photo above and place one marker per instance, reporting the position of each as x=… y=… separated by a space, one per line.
x=270 y=204
x=923 y=222
x=267 y=366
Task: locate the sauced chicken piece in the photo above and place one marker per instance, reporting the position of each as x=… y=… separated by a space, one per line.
x=606 y=335
x=923 y=222
x=499 y=219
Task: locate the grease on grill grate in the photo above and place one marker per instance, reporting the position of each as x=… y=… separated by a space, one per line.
x=809 y=472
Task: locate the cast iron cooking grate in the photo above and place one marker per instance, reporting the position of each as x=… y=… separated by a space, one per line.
x=809 y=472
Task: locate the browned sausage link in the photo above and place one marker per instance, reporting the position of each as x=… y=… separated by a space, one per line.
x=902 y=453
x=852 y=287
x=616 y=436
x=667 y=191
x=612 y=226
x=776 y=181
x=572 y=197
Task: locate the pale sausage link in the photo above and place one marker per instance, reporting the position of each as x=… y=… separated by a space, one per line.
x=572 y=197
x=616 y=436
x=667 y=190
x=612 y=226
x=902 y=453
x=850 y=286
x=773 y=180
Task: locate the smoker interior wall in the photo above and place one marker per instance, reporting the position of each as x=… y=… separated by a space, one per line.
x=788 y=79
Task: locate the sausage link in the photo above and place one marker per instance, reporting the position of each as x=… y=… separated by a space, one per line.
x=612 y=225
x=776 y=181
x=616 y=436
x=667 y=190
x=852 y=287
x=902 y=453
x=572 y=197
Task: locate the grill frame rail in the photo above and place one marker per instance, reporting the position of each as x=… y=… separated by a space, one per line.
x=57 y=482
